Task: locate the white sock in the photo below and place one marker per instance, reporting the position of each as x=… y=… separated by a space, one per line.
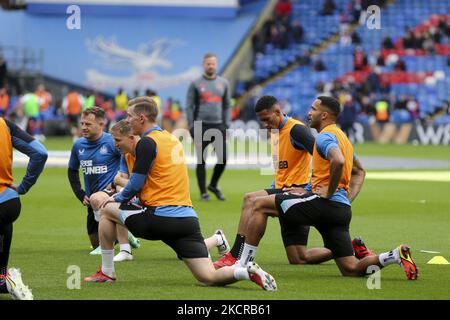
x=241 y=273
x=125 y=247
x=219 y=240
x=390 y=257
x=248 y=253
x=108 y=262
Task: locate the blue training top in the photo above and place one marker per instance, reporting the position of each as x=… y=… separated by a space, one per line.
x=99 y=160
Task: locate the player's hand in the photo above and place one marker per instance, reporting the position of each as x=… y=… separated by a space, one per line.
x=14 y=187
x=105 y=202
x=86 y=201
x=322 y=191
x=294 y=190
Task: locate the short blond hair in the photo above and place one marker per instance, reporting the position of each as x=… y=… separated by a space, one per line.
x=122 y=128
x=144 y=106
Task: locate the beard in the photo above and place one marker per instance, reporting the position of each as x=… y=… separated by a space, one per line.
x=210 y=73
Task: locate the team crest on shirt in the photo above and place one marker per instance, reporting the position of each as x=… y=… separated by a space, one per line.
x=81 y=151
x=219 y=86
x=103 y=150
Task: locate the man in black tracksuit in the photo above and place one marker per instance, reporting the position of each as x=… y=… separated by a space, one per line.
x=209 y=115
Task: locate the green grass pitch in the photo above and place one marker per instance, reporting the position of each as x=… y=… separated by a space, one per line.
x=50 y=235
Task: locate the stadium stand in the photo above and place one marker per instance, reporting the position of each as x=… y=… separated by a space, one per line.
x=367 y=63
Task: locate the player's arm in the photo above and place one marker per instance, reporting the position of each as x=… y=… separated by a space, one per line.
x=302 y=138
x=121 y=178
x=145 y=155
x=328 y=148
x=191 y=102
x=26 y=144
x=337 y=162
x=74 y=177
x=357 y=179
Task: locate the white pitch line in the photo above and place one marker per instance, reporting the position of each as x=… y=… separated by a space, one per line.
x=438 y=176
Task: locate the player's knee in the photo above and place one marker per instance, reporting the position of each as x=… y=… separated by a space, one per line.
x=258 y=206
x=295 y=256
x=296 y=260
x=348 y=270
x=96 y=200
x=248 y=199
x=206 y=279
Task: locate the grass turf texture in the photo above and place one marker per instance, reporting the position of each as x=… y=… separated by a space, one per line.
x=50 y=235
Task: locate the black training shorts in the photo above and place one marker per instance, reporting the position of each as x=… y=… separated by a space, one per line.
x=292 y=234
x=183 y=234
x=330 y=218
x=10 y=211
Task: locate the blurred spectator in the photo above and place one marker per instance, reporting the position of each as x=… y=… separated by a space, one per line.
x=382 y=110
x=98 y=99
x=44 y=112
x=354 y=8
x=121 y=102
x=267 y=29
x=428 y=43
x=136 y=93
x=346 y=39
x=409 y=41
x=367 y=108
x=444 y=27
x=359 y=60
x=283 y=9
x=328 y=8
x=373 y=81
x=30 y=104
x=297 y=31
x=89 y=102
x=305 y=59
x=279 y=36
x=400 y=104
x=355 y=38
x=167 y=121
x=320 y=86
x=3 y=71
x=235 y=110
x=152 y=94
x=4 y=102
x=387 y=43
x=413 y=107
x=257 y=43
x=400 y=65
x=45 y=97
x=72 y=106
x=107 y=105
x=380 y=61
x=319 y=65
x=347 y=117
x=436 y=34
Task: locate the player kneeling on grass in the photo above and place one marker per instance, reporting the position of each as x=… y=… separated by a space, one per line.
x=126 y=142
x=160 y=179
x=325 y=204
